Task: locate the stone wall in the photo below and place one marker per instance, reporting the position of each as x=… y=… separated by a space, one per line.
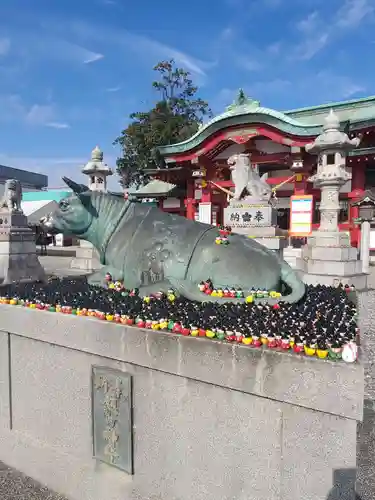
x=211 y=421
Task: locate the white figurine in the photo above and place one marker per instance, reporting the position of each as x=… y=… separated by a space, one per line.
x=350 y=352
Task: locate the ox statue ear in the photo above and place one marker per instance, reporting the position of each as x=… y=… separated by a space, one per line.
x=76 y=188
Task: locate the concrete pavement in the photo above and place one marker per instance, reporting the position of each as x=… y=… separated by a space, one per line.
x=16 y=486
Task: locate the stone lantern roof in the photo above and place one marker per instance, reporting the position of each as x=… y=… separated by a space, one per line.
x=332 y=138
x=96 y=165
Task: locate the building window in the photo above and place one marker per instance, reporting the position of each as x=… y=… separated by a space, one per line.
x=100 y=180
x=92 y=180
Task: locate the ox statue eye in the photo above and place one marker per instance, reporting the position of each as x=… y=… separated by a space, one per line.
x=63 y=205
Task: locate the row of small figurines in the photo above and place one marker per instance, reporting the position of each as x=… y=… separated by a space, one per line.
x=349 y=351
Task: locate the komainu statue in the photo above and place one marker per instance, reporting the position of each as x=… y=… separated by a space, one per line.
x=152 y=250
x=12 y=196
x=246 y=179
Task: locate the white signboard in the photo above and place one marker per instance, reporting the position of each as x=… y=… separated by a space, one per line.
x=205 y=213
x=301 y=213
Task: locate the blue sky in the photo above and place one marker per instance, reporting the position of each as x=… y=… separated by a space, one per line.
x=72 y=71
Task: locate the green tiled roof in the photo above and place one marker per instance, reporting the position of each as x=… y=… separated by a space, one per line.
x=303 y=122
x=153 y=188
x=355 y=110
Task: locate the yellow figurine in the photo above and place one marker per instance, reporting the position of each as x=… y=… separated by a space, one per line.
x=247 y=340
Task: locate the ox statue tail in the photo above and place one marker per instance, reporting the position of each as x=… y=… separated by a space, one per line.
x=290 y=278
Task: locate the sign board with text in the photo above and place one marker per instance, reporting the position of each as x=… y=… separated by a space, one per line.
x=244 y=217
x=301 y=215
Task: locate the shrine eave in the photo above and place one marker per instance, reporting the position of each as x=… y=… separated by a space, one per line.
x=155 y=188
x=301 y=123
x=357 y=111
x=362 y=152
x=222 y=122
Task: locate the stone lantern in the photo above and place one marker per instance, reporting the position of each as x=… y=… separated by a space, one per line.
x=332 y=147
x=97 y=171
x=328 y=257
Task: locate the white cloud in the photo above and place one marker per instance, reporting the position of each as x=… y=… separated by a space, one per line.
x=309 y=47
x=59 y=49
x=318 y=33
x=309 y=23
x=113 y=89
x=353 y=12
x=58 y=125
x=274 y=48
x=14 y=109
x=39 y=114
x=227 y=33
x=146 y=48
x=4 y=46
x=44 y=45
x=247 y=62
x=152 y=48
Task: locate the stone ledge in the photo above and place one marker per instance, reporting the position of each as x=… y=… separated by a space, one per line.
x=334 y=388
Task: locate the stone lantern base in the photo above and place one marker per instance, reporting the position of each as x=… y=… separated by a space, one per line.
x=328 y=259
x=87 y=258
x=18 y=259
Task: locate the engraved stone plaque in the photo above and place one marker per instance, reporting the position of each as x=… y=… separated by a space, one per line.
x=112 y=417
x=244 y=216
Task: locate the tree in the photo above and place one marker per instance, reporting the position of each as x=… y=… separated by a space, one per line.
x=176 y=116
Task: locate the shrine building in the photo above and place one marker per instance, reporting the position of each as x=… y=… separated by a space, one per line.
x=197 y=175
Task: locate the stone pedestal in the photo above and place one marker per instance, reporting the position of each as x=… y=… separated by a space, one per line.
x=329 y=259
x=255 y=219
x=291 y=256
x=86 y=257
x=18 y=258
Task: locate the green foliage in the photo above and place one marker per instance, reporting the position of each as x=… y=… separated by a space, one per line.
x=175 y=117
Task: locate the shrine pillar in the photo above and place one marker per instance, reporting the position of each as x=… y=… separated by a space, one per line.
x=190 y=202
x=204 y=173
x=205 y=205
x=357 y=190
x=302 y=172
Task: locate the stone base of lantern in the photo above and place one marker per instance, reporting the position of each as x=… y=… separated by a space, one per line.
x=86 y=257
x=18 y=259
x=292 y=256
x=271 y=237
x=329 y=239
x=325 y=264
